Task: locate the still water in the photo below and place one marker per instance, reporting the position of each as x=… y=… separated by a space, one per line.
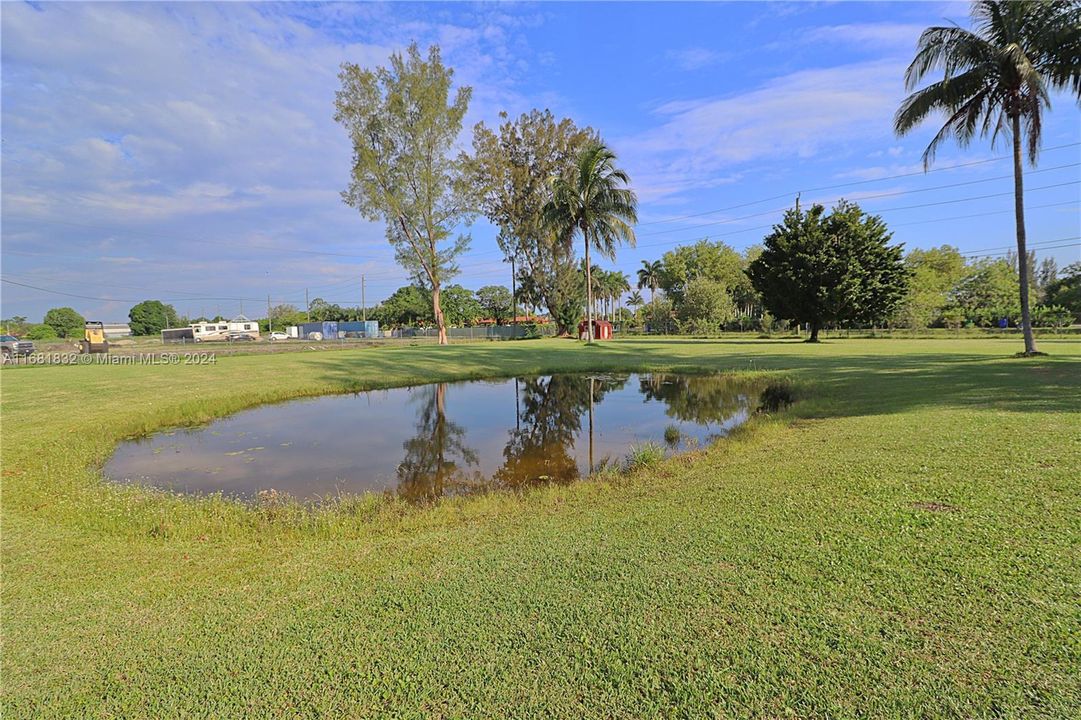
x=426 y=441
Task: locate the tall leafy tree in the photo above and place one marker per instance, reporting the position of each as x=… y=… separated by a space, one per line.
x=996 y=81
x=1065 y=290
x=705 y=305
x=987 y=293
x=496 y=301
x=406 y=306
x=933 y=274
x=403 y=126
x=1046 y=274
x=817 y=268
x=596 y=202
x=150 y=317
x=714 y=261
x=462 y=308
x=65 y=322
x=509 y=173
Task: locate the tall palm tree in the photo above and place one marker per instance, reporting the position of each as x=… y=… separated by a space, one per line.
x=619 y=284
x=635 y=301
x=996 y=79
x=649 y=276
x=595 y=202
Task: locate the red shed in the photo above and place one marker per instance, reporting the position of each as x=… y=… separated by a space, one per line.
x=602 y=330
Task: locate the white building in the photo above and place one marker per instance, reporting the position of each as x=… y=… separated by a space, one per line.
x=117 y=330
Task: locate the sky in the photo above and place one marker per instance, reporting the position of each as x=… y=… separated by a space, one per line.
x=188 y=153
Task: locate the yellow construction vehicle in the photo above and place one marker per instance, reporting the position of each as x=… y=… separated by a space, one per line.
x=94 y=339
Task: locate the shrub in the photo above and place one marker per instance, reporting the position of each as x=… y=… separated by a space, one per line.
x=644 y=455
x=1054 y=316
x=530 y=331
x=41 y=332
x=672 y=434
x=767 y=323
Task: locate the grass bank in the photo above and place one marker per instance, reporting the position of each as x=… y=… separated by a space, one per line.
x=906 y=541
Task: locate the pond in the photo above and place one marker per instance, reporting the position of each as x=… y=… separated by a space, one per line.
x=427 y=441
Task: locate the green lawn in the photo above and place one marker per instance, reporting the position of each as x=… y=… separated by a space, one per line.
x=904 y=542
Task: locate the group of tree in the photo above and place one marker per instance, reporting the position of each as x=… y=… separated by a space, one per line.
x=949 y=290
x=540 y=181
x=839 y=269
x=408 y=306
x=702 y=288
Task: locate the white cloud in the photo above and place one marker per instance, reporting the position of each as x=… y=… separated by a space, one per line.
x=145 y=129
x=695 y=58
x=880 y=36
x=702 y=141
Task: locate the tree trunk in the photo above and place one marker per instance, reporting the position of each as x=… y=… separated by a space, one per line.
x=589 y=293
x=1022 y=253
x=814 y=333
x=591 y=425
x=653 y=303
x=437 y=310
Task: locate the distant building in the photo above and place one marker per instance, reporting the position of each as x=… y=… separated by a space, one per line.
x=117 y=330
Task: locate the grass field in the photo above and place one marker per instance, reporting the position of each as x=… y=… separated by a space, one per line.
x=904 y=542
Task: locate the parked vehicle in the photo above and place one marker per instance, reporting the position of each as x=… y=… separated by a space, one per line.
x=240 y=337
x=223 y=329
x=278 y=336
x=14 y=347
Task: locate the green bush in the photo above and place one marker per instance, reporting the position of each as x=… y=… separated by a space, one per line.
x=1053 y=316
x=41 y=332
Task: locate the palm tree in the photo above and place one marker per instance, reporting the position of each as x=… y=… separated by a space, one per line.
x=649 y=276
x=595 y=202
x=618 y=283
x=996 y=79
x=635 y=301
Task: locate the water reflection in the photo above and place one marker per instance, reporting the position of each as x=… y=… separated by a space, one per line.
x=429 y=469
x=549 y=421
x=442 y=439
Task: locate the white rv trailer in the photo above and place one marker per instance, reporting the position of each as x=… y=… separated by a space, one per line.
x=211 y=331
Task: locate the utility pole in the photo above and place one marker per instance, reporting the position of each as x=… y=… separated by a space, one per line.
x=797 y=242
x=513 y=292
x=307 y=305
x=363 y=302
x=269 y=320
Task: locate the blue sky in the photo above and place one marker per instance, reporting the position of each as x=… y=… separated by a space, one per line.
x=187 y=152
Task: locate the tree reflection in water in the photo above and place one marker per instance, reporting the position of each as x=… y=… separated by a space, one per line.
x=551 y=413
x=700 y=399
x=428 y=470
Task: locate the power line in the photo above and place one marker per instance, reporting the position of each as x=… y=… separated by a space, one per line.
x=676 y=241
x=1040 y=245
x=894 y=193
x=101 y=299
x=790 y=193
